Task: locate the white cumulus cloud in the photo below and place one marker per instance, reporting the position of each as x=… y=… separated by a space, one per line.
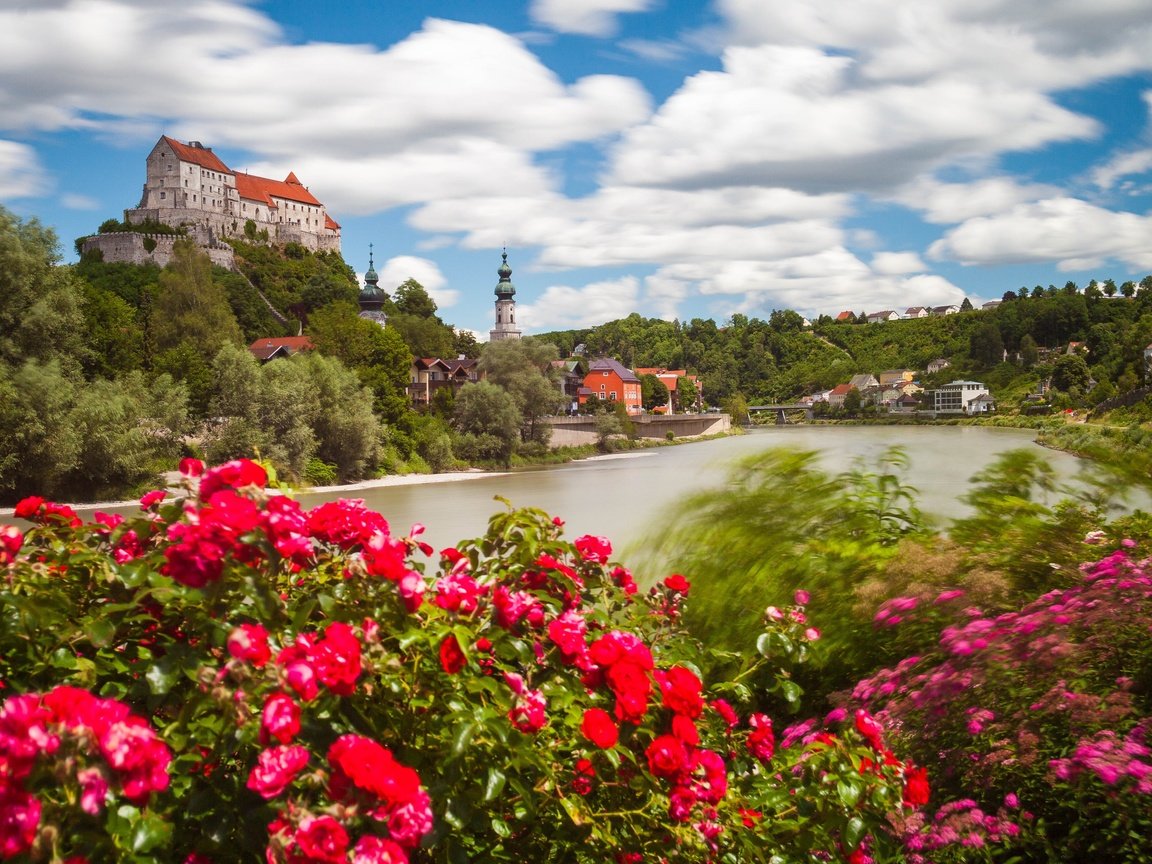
x=401 y=268
x=21 y=175
x=566 y=306
x=1066 y=230
x=587 y=17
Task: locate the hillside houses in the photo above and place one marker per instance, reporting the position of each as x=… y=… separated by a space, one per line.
x=896 y=391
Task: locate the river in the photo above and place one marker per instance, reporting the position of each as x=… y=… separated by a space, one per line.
x=622 y=496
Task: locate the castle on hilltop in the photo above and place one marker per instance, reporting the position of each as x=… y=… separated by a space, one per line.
x=188 y=186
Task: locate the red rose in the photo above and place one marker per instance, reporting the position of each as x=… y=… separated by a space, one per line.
x=677 y=583
x=631 y=685
x=370 y=849
x=367 y=765
x=280 y=718
x=337 y=659
x=232 y=475
x=667 y=756
x=275 y=768
x=596 y=549
x=191 y=467
x=452 y=659
x=249 y=642
x=598 y=728
x=872 y=731
x=322 y=838
x=681 y=690
x=761 y=740
x=916 y=790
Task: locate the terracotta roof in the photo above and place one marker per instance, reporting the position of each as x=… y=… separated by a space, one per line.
x=202 y=156
x=840 y=390
x=330 y=223
x=269 y=347
x=844 y=316
x=262 y=189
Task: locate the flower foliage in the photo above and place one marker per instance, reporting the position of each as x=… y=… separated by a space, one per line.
x=228 y=677
x=1054 y=696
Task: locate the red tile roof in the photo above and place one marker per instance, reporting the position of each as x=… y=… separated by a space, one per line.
x=262 y=189
x=202 y=156
x=268 y=347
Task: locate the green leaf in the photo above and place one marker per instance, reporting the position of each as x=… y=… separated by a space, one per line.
x=100 y=631
x=849 y=790
x=150 y=832
x=853 y=833
x=495 y=784
x=500 y=827
x=463 y=738
x=162 y=675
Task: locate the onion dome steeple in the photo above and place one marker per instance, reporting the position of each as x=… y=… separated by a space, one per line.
x=504 y=288
x=372 y=297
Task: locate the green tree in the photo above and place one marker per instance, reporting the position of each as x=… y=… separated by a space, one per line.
x=487 y=422
x=966 y=306
x=523 y=367
x=1069 y=372
x=985 y=345
x=40 y=306
x=191 y=307
x=411 y=298
x=653 y=392
x=378 y=355
x=1110 y=287
x=1029 y=352
x=1128 y=289
x=687 y=396
x=736 y=406
x=852 y=402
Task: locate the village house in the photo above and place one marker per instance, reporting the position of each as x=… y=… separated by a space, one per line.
x=962 y=397
x=896 y=376
x=846 y=315
x=429 y=374
x=880 y=317
x=938 y=364
x=916 y=312
x=272 y=347
x=863 y=381
x=951 y=309
x=610 y=381
x=837 y=394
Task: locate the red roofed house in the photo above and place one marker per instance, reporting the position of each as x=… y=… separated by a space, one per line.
x=836 y=394
x=670 y=378
x=846 y=315
x=189 y=184
x=609 y=380
x=272 y=347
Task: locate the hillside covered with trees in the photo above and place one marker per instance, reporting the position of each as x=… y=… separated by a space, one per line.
x=109 y=373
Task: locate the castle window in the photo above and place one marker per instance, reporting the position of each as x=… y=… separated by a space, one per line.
x=193 y=197
x=163 y=194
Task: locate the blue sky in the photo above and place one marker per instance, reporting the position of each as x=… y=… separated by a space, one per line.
x=676 y=158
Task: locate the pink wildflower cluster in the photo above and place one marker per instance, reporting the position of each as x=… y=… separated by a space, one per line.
x=1040 y=692
x=958 y=823
x=1114 y=760
x=100 y=745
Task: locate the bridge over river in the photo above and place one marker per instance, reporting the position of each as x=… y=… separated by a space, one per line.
x=782 y=411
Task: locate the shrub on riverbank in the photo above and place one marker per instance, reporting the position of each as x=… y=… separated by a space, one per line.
x=229 y=677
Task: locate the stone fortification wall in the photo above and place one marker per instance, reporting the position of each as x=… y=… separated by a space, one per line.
x=574 y=431
x=228 y=225
x=129 y=247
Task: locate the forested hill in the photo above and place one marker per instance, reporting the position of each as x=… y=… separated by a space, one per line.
x=780 y=358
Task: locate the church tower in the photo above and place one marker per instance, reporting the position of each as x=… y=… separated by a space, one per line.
x=371 y=296
x=505 y=305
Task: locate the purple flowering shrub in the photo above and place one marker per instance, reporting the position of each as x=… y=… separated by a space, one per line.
x=1037 y=723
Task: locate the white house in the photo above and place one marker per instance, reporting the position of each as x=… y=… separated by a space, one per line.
x=962 y=397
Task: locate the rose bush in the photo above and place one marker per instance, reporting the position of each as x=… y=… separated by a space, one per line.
x=229 y=677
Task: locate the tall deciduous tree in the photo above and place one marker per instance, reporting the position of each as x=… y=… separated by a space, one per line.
x=488 y=422
x=190 y=306
x=523 y=368
x=653 y=392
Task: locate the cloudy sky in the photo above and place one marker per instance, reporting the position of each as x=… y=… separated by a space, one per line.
x=676 y=158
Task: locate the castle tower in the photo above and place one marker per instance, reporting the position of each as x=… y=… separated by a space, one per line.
x=371 y=296
x=505 y=305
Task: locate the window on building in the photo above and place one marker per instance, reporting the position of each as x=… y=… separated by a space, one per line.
x=612 y=396
x=162 y=194
x=193 y=197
